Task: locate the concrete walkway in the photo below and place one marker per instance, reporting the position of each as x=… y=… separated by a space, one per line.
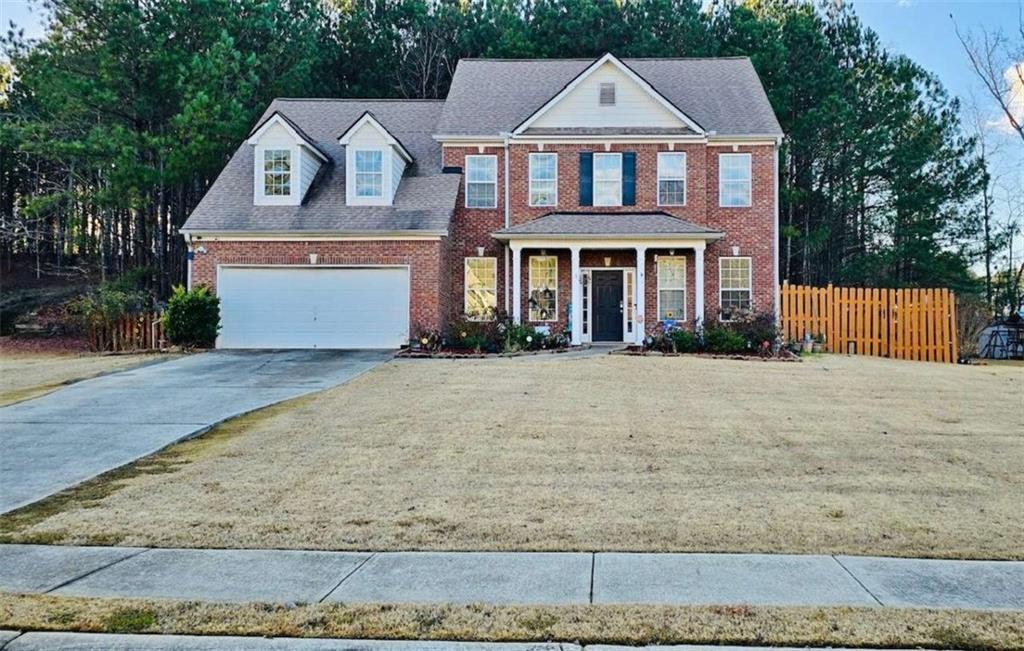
x=104 y=642
x=63 y=438
x=510 y=578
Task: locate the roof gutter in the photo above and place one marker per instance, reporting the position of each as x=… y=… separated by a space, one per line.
x=710 y=236
x=195 y=234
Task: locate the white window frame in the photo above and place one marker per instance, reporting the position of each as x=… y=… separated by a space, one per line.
x=662 y=287
x=260 y=187
x=475 y=157
x=384 y=160
x=466 y=288
x=593 y=177
x=529 y=290
x=530 y=197
x=664 y=177
x=750 y=283
x=749 y=180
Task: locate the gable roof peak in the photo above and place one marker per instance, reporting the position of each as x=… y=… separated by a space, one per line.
x=609 y=58
x=296 y=132
x=368 y=117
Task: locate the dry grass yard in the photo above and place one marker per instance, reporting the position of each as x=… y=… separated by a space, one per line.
x=852 y=627
x=30 y=375
x=834 y=455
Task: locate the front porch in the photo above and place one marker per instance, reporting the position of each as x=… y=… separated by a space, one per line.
x=607 y=277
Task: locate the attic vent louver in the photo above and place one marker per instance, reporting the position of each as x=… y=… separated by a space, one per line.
x=607 y=94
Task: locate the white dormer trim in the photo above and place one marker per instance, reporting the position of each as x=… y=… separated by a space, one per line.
x=293 y=198
x=367 y=118
x=278 y=119
x=626 y=70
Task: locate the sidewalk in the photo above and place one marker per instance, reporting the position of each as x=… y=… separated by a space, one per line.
x=502 y=578
x=104 y=642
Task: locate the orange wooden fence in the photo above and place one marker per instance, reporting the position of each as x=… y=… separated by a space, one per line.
x=136 y=332
x=917 y=324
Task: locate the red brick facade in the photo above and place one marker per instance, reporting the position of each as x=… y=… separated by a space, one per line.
x=437 y=266
x=750 y=229
x=430 y=298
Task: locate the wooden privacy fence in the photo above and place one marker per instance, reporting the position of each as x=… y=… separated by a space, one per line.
x=917 y=324
x=135 y=332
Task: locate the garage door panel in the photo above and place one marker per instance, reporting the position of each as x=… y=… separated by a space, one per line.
x=303 y=307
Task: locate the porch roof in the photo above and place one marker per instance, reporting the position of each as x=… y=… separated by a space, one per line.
x=591 y=225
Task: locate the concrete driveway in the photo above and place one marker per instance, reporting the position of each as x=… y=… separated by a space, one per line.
x=60 y=439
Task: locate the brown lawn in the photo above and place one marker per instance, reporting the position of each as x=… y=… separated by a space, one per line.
x=25 y=375
x=833 y=455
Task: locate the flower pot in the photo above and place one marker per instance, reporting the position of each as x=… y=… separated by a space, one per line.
x=818 y=347
x=808 y=347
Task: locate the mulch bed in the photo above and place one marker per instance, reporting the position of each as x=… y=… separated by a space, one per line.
x=637 y=351
x=461 y=354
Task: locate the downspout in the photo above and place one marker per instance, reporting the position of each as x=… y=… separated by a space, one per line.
x=189 y=254
x=508 y=203
x=775 y=240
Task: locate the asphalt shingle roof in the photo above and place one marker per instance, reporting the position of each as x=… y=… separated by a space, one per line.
x=490 y=96
x=425 y=198
x=625 y=224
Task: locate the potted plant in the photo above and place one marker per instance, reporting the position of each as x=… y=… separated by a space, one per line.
x=808 y=344
x=819 y=343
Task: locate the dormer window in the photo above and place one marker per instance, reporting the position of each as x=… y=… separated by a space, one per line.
x=284 y=163
x=369 y=173
x=277 y=172
x=374 y=163
x=607 y=94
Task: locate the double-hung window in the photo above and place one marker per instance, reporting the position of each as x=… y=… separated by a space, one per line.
x=607 y=179
x=277 y=172
x=543 y=288
x=543 y=179
x=671 y=179
x=481 y=288
x=369 y=173
x=734 y=180
x=482 y=181
x=671 y=288
x=734 y=282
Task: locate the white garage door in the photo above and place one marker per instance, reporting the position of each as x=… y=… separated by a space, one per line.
x=322 y=307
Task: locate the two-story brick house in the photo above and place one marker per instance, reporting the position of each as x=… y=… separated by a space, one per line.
x=599 y=196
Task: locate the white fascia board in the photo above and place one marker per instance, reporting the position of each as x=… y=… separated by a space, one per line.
x=654 y=240
x=745 y=139
x=367 y=118
x=608 y=58
x=572 y=140
x=277 y=119
x=468 y=141
x=287 y=236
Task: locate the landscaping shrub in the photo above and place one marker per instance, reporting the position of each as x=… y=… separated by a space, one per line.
x=722 y=340
x=193 y=317
x=755 y=328
x=521 y=337
x=477 y=336
x=684 y=341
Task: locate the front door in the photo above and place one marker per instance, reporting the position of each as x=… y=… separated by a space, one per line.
x=607 y=294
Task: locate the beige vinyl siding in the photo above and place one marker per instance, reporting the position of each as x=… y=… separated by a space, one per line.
x=634 y=106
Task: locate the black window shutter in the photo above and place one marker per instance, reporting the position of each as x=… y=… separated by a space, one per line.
x=586 y=178
x=628 y=178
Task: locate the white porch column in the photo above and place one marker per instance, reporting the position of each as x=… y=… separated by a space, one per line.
x=698 y=290
x=577 y=298
x=517 y=277
x=640 y=318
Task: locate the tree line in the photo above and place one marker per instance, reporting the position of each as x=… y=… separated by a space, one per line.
x=116 y=122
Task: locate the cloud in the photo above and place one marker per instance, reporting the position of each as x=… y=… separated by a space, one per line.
x=1014 y=76
x=904 y=3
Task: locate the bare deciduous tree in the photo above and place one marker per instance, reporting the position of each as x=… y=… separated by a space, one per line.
x=997 y=59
